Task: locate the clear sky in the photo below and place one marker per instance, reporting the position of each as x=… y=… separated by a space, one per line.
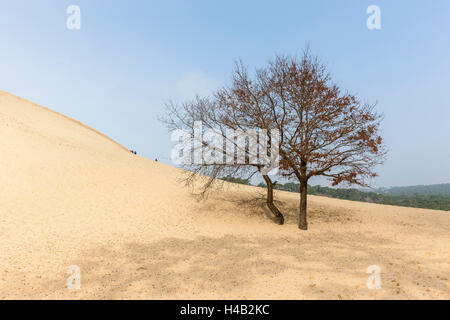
x=130 y=57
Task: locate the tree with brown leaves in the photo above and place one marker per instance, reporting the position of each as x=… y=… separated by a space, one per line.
x=323 y=130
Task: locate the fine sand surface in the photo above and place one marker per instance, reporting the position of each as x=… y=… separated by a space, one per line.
x=71 y=196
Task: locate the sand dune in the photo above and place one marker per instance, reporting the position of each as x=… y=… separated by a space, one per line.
x=71 y=196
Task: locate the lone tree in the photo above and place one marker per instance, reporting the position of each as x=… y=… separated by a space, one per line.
x=323 y=130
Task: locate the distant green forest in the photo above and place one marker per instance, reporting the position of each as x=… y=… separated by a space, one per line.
x=412 y=190
x=428 y=197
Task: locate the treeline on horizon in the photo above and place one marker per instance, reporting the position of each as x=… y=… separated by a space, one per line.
x=443 y=188
x=435 y=197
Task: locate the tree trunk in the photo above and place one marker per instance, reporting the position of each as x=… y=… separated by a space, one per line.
x=279 y=219
x=303 y=179
x=302 y=223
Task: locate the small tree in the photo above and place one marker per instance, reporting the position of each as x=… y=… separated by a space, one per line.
x=323 y=130
x=326 y=132
x=224 y=149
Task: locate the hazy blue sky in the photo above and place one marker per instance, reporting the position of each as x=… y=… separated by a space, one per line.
x=130 y=57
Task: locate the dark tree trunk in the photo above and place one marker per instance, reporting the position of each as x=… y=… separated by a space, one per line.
x=279 y=219
x=302 y=223
x=303 y=179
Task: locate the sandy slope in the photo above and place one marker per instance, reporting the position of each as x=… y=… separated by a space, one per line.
x=71 y=196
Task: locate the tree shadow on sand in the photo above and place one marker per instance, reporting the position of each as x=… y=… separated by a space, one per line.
x=233 y=266
x=256 y=204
